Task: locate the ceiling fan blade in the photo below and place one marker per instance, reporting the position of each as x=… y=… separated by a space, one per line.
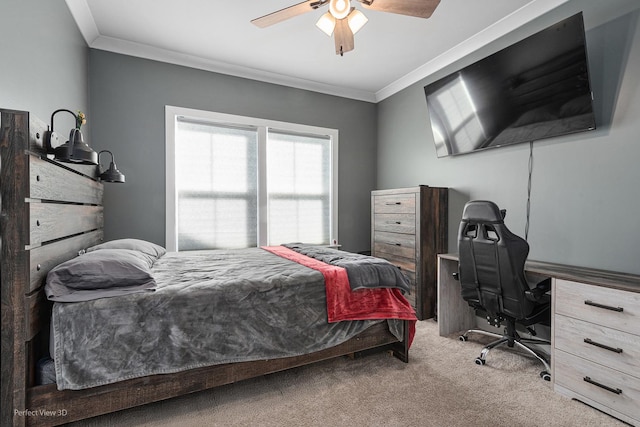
x=343 y=37
x=417 y=8
x=288 y=12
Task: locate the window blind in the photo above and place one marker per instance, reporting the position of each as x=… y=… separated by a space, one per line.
x=246 y=185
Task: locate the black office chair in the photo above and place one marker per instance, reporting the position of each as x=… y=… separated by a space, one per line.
x=492 y=277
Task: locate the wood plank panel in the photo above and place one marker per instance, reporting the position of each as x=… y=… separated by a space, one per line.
x=49 y=181
x=433 y=229
x=35 y=144
x=34 y=314
x=45 y=257
x=14 y=225
x=50 y=221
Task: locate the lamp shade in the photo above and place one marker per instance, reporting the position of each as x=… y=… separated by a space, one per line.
x=112 y=174
x=339 y=8
x=356 y=20
x=76 y=150
x=327 y=23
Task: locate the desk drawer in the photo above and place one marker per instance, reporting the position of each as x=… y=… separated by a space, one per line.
x=395 y=223
x=609 y=347
x=395 y=203
x=622 y=395
x=608 y=307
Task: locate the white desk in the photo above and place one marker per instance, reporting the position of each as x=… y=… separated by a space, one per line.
x=595 y=331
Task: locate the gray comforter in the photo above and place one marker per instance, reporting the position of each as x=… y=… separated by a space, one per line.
x=363 y=271
x=210 y=307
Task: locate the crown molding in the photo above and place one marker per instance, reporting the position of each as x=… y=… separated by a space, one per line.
x=163 y=55
x=84 y=20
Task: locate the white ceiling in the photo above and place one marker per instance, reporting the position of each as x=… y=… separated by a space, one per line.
x=391 y=51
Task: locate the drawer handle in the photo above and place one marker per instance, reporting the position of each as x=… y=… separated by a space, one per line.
x=393 y=203
x=606 y=307
x=606 y=347
x=612 y=390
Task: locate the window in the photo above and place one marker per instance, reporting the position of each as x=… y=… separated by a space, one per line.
x=235 y=182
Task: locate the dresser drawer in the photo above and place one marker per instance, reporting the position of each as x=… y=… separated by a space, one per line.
x=609 y=347
x=406 y=265
x=395 y=203
x=622 y=392
x=395 y=223
x=608 y=307
x=397 y=244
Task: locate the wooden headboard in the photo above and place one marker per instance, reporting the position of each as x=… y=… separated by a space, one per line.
x=50 y=211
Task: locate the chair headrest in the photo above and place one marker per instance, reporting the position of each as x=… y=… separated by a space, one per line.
x=482 y=211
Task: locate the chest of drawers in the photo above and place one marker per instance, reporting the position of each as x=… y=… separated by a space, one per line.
x=596 y=340
x=409 y=228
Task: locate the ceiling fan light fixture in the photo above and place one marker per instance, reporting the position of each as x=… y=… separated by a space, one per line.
x=339 y=8
x=327 y=23
x=356 y=20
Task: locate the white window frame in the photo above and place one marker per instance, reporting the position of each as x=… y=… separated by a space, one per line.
x=262 y=125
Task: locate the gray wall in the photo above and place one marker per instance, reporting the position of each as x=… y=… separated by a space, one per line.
x=585 y=186
x=127 y=99
x=44 y=61
x=585 y=189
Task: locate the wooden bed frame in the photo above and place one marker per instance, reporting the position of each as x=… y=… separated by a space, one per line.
x=50 y=211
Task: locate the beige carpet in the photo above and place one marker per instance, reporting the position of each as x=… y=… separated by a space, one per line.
x=440 y=386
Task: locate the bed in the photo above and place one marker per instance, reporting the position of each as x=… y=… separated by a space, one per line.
x=53 y=211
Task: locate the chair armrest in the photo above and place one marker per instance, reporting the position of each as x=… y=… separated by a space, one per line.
x=537 y=293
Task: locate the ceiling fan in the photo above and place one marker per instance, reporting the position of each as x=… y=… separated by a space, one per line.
x=343 y=21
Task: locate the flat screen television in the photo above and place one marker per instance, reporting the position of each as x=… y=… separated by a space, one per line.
x=536 y=88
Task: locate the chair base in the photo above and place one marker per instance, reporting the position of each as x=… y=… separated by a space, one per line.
x=519 y=342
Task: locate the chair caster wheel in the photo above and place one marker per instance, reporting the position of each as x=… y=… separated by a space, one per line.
x=462 y=338
x=480 y=361
x=545 y=375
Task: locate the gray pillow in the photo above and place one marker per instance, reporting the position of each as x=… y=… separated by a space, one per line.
x=106 y=272
x=151 y=249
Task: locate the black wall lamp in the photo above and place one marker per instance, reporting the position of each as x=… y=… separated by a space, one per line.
x=112 y=174
x=75 y=150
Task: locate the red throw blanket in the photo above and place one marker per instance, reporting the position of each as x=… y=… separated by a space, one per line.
x=361 y=304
